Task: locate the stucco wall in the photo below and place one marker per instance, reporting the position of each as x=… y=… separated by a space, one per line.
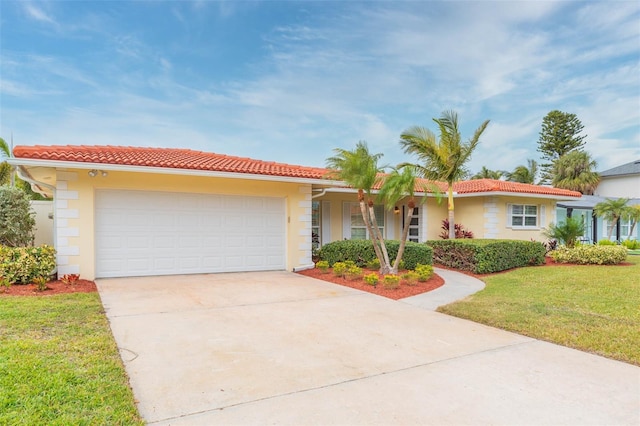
x=75 y=210
x=44 y=222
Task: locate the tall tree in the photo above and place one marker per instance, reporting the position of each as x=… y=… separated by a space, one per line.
x=524 y=174
x=560 y=135
x=444 y=156
x=399 y=184
x=485 y=173
x=359 y=169
x=611 y=211
x=576 y=171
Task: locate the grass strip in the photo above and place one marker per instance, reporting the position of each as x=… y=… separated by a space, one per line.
x=592 y=308
x=59 y=363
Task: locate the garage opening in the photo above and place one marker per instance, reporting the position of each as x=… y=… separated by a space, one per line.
x=140 y=233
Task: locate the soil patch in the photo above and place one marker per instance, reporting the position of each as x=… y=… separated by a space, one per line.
x=53 y=287
x=405 y=289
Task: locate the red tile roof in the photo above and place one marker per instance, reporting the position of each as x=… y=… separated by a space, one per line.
x=490 y=185
x=166 y=158
x=175 y=158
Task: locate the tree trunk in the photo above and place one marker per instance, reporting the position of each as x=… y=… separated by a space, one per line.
x=613 y=226
x=385 y=264
x=633 y=227
x=452 y=225
x=403 y=240
x=367 y=223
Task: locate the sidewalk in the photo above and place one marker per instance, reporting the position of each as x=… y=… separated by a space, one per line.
x=456 y=286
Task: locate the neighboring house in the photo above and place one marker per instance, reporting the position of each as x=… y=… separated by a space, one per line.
x=618 y=182
x=125 y=211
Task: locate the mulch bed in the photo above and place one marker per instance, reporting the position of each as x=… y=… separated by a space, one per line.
x=53 y=287
x=405 y=290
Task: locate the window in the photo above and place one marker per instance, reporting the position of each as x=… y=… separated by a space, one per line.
x=414 y=226
x=625 y=227
x=357 y=226
x=522 y=216
x=316 y=241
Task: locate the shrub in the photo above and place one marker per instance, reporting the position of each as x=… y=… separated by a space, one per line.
x=41 y=283
x=459 y=230
x=486 y=256
x=16 y=218
x=631 y=244
x=323 y=265
x=70 y=279
x=353 y=272
x=391 y=282
x=424 y=272
x=410 y=277
x=4 y=284
x=607 y=243
x=22 y=265
x=566 y=232
x=372 y=279
x=590 y=255
x=339 y=269
x=361 y=252
x=374 y=264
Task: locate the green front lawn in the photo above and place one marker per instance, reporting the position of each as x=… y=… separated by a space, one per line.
x=591 y=308
x=59 y=364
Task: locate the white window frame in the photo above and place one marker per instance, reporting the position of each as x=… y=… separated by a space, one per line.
x=625 y=227
x=346 y=219
x=540 y=216
x=416 y=226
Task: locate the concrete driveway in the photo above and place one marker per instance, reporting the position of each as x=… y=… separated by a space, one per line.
x=279 y=348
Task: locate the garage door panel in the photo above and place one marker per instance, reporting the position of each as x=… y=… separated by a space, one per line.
x=140 y=233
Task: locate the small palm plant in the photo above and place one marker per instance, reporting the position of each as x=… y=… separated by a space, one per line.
x=566 y=232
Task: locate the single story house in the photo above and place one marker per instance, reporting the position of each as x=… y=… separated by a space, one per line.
x=132 y=211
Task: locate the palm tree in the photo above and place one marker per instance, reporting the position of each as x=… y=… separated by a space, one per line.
x=444 y=156
x=6 y=171
x=524 y=174
x=359 y=169
x=485 y=173
x=567 y=232
x=399 y=184
x=633 y=214
x=611 y=210
x=575 y=171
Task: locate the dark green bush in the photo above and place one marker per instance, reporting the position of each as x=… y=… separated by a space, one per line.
x=486 y=256
x=361 y=252
x=17 y=220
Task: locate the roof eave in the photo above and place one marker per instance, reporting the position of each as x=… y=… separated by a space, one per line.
x=27 y=162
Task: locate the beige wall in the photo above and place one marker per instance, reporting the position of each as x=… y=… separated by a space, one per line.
x=485 y=216
x=75 y=210
x=44 y=222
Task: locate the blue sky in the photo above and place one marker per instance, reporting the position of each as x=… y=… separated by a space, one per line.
x=291 y=81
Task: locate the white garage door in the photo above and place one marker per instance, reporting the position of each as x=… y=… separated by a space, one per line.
x=161 y=233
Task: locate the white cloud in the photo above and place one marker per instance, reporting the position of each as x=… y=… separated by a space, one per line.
x=38 y=14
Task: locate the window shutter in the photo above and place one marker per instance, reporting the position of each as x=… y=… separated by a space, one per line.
x=326 y=222
x=346 y=221
x=509 y=215
x=543 y=216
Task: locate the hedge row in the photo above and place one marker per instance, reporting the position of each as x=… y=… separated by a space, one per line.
x=486 y=256
x=21 y=265
x=590 y=255
x=361 y=252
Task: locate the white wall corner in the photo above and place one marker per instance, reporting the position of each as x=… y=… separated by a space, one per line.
x=62 y=260
x=68 y=269
x=68 y=232
x=67 y=195
x=62 y=242
x=69 y=251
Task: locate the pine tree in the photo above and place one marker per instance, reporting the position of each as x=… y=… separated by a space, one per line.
x=560 y=135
